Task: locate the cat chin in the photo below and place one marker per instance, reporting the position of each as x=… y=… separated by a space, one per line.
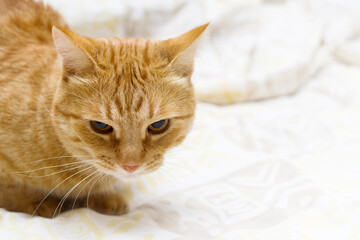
x=130 y=177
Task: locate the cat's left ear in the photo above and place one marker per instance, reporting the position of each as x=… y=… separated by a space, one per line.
x=72 y=49
x=180 y=51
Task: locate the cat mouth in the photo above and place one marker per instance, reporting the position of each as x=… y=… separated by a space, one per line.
x=129 y=172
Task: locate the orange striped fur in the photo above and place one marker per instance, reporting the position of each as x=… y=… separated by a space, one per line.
x=53 y=82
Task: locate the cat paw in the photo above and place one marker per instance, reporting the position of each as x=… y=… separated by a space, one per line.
x=43 y=209
x=110 y=204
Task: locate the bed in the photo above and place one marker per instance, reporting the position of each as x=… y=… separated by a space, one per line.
x=274 y=152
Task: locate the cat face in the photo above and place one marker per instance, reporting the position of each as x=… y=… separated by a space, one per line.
x=124 y=102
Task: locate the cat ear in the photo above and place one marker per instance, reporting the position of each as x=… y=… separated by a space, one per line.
x=70 y=47
x=180 y=51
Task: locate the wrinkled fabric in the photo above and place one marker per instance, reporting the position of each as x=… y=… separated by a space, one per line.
x=253 y=49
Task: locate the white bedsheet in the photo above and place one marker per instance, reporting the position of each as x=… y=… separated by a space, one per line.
x=282 y=168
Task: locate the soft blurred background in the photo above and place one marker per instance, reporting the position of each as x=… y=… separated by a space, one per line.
x=275 y=149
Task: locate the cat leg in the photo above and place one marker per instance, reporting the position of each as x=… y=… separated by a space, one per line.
x=107 y=203
x=21 y=198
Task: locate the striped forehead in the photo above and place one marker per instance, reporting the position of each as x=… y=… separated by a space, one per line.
x=118 y=52
x=135 y=105
x=146 y=101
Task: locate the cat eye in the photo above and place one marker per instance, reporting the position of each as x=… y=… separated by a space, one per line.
x=100 y=127
x=159 y=126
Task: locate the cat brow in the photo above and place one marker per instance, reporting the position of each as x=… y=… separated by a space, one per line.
x=184 y=116
x=66 y=114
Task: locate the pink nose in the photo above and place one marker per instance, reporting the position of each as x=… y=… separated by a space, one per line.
x=130 y=167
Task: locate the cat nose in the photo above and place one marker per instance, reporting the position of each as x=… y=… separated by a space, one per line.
x=130 y=167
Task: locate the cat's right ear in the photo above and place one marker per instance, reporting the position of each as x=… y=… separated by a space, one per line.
x=180 y=51
x=71 y=48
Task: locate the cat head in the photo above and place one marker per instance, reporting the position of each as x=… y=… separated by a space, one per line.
x=124 y=102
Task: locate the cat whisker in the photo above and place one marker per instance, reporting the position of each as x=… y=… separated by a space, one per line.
x=53 y=189
x=157 y=174
x=91 y=180
x=177 y=166
x=172 y=176
x=51 y=174
x=106 y=165
x=176 y=171
x=176 y=151
x=164 y=176
x=150 y=166
x=59 y=206
x=91 y=188
x=107 y=185
x=64 y=170
x=56 y=166
x=60 y=157
x=71 y=182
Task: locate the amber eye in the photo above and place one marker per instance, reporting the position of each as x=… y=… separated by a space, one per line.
x=100 y=127
x=159 y=126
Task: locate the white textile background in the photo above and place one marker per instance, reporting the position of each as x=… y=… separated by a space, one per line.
x=254 y=49
x=286 y=167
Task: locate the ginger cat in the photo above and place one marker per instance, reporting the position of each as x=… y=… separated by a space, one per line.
x=79 y=114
